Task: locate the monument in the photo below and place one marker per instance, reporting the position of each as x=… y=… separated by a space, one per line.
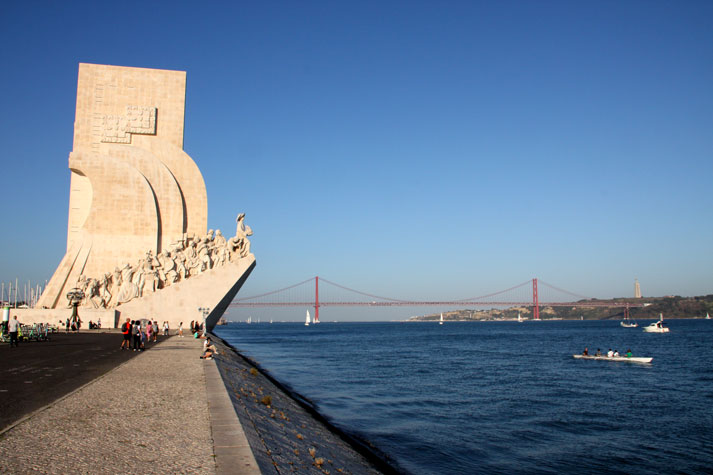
x=137 y=239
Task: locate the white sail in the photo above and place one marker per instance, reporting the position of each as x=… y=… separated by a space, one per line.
x=519 y=318
x=441 y=321
x=307 y=319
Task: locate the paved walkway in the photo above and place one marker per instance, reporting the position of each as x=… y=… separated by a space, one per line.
x=159 y=412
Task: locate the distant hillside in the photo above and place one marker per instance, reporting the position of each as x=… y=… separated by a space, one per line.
x=670 y=307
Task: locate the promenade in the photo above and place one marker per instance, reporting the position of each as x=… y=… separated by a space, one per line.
x=163 y=410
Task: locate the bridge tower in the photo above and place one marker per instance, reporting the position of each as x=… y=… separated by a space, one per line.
x=316 y=299
x=535 y=301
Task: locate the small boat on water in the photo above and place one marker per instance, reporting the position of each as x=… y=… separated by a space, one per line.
x=626 y=323
x=441 y=320
x=307 y=319
x=708 y=317
x=657 y=327
x=629 y=359
x=519 y=318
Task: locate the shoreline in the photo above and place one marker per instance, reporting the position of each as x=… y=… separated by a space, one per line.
x=290 y=423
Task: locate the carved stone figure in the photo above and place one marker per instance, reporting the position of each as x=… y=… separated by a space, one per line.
x=240 y=244
x=180 y=260
x=203 y=251
x=167 y=268
x=193 y=262
x=128 y=289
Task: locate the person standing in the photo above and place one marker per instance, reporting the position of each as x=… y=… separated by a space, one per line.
x=126 y=332
x=180 y=330
x=155 y=331
x=149 y=330
x=136 y=333
x=13 y=328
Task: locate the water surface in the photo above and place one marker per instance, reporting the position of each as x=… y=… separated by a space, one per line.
x=503 y=397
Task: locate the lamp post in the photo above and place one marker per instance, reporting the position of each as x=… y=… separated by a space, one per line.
x=75 y=297
x=204 y=311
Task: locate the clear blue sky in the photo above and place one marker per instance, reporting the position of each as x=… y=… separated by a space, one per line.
x=408 y=149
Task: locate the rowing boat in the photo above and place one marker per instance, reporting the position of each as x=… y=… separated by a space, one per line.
x=630 y=359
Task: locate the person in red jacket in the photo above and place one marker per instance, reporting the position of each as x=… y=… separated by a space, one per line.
x=126 y=332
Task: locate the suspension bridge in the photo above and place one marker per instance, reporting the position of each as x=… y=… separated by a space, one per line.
x=532 y=293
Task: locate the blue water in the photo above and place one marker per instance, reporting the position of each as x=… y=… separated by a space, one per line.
x=503 y=397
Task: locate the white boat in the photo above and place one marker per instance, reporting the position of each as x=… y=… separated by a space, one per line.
x=630 y=359
x=708 y=317
x=441 y=321
x=657 y=327
x=307 y=319
x=519 y=318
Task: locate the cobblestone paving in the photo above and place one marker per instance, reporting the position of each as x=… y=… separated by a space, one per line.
x=147 y=416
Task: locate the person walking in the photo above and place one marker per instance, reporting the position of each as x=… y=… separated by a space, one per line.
x=126 y=332
x=180 y=330
x=13 y=328
x=149 y=330
x=155 y=331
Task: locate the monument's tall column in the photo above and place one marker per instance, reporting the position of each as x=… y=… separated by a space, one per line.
x=133 y=188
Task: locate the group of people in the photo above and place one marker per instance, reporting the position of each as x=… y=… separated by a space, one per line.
x=611 y=353
x=197 y=329
x=140 y=333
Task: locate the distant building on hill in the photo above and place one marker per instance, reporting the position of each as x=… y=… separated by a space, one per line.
x=637 y=289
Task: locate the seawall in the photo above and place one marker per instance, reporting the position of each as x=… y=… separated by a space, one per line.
x=284 y=429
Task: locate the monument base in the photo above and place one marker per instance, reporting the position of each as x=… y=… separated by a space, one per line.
x=214 y=289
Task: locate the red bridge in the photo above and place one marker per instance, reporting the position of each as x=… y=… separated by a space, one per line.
x=526 y=294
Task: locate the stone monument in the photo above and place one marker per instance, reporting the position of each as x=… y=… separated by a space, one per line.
x=137 y=241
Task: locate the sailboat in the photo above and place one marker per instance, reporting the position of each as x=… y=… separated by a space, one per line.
x=626 y=323
x=307 y=319
x=708 y=317
x=519 y=318
x=441 y=320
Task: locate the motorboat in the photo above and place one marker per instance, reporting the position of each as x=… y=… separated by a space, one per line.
x=657 y=327
x=627 y=359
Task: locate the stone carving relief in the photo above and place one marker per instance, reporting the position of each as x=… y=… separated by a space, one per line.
x=190 y=256
x=137 y=120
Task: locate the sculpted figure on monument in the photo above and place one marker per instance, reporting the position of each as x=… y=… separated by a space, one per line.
x=220 y=250
x=240 y=244
x=203 y=252
x=150 y=272
x=219 y=240
x=115 y=286
x=193 y=262
x=167 y=268
x=128 y=290
x=179 y=258
x=94 y=291
x=104 y=294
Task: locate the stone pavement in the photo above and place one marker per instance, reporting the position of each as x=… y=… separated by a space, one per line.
x=38 y=373
x=159 y=412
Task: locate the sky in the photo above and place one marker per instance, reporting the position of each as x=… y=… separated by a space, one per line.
x=416 y=150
